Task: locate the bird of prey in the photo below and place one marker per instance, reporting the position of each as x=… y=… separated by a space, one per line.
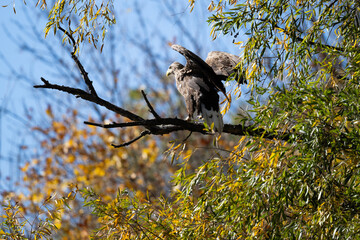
x=199 y=81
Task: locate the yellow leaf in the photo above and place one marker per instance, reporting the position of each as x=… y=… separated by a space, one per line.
x=71 y=159
x=49 y=112
x=57 y=223
x=37 y=197
x=99 y=171
x=26 y=167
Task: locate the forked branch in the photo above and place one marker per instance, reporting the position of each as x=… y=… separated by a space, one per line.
x=157 y=126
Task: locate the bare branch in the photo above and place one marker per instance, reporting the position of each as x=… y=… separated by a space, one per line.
x=143 y=133
x=70 y=37
x=159 y=126
x=79 y=65
x=169 y=125
x=185 y=139
x=90 y=97
x=150 y=106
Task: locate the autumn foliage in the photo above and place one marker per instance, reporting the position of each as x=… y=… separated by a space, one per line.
x=303 y=183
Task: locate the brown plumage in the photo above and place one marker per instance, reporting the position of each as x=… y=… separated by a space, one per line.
x=199 y=81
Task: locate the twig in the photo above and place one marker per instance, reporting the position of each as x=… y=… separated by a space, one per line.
x=70 y=37
x=84 y=74
x=300 y=39
x=187 y=137
x=142 y=134
x=150 y=106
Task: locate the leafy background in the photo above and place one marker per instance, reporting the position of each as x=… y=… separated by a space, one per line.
x=301 y=63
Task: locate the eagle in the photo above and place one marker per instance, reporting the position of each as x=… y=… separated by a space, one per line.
x=200 y=81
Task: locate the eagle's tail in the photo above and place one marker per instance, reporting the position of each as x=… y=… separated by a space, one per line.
x=212 y=116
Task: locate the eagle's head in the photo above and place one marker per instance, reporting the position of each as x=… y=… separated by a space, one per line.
x=175 y=66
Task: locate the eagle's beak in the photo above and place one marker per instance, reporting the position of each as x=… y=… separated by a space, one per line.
x=168 y=73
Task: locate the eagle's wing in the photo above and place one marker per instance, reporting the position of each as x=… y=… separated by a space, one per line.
x=192 y=58
x=194 y=61
x=223 y=64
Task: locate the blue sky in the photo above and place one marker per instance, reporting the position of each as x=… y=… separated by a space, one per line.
x=12 y=95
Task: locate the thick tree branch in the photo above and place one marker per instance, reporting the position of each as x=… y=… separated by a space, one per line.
x=169 y=125
x=89 y=97
x=158 y=126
